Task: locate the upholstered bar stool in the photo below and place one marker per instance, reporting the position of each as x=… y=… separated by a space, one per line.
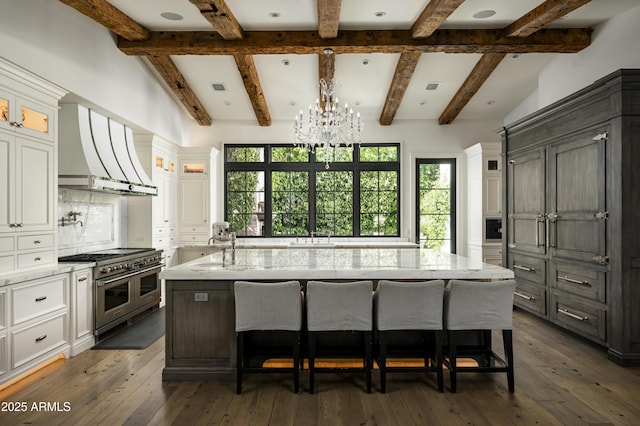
x=339 y=307
x=268 y=308
x=480 y=306
x=403 y=306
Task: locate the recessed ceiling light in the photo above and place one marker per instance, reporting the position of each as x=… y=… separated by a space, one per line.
x=292 y=103
x=218 y=87
x=274 y=14
x=515 y=56
x=357 y=103
x=484 y=14
x=171 y=16
x=432 y=85
x=422 y=103
x=227 y=103
x=491 y=102
x=380 y=14
x=286 y=62
x=366 y=61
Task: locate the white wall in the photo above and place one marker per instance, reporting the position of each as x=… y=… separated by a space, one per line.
x=65 y=47
x=614 y=45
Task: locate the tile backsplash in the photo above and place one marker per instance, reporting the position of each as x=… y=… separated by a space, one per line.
x=100 y=221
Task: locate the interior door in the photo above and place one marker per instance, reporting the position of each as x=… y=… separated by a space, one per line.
x=526 y=202
x=577 y=200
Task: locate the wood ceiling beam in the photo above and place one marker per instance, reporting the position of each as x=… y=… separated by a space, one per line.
x=436 y=12
x=401 y=78
x=541 y=16
x=300 y=42
x=224 y=23
x=483 y=69
x=251 y=82
x=177 y=83
x=328 y=18
x=110 y=17
x=219 y=15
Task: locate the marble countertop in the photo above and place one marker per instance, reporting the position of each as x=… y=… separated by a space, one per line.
x=61 y=268
x=335 y=263
x=305 y=243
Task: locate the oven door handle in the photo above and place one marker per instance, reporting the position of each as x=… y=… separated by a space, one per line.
x=102 y=283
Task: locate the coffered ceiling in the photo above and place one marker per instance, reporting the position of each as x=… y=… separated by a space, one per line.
x=481 y=58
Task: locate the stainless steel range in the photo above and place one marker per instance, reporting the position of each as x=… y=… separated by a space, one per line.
x=126 y=283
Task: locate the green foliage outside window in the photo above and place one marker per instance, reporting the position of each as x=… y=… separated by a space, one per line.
x=435 y=205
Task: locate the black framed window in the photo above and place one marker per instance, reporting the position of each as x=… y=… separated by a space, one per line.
x=276 y=190
x=436 y=203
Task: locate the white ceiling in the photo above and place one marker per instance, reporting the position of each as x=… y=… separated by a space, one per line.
x=288 y=89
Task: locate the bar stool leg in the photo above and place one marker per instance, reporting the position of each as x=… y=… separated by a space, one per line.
x=312 y=358
x=296 y=361
x=452 y=361
x=507 y=337
x=438 y=356
x=383 y=362
x=368 y=358
x=239 y=361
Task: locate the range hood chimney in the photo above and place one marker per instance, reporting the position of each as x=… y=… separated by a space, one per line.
x=97 y=153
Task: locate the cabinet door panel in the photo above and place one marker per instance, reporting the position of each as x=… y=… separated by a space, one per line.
x=7 y=183
x=194 y=203
x=577 y=198
x=526 y=207
x=34 y=196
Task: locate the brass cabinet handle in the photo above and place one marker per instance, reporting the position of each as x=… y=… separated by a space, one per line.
x=41 y=338
x=82 y=279
x=41 y=298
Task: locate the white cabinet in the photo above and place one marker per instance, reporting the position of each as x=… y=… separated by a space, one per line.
x=484 y=202
x=4 y=345
x=26 y=116
x=28 y=138
x=152 y=221
x=38 y=321
x=81 y=325
x=195 y=206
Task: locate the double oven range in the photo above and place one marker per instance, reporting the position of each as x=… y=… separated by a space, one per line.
x=126 y=283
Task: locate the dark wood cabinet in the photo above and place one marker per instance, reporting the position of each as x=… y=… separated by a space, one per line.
x=573 y=213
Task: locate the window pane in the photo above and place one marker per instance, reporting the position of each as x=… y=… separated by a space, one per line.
x=290 y=205
x=378 y=153
x=245 y=154
x=378 y=207
x=334 y=192
x=289 y=155
x=436 y=216
x=245 y=202
x=337 y=155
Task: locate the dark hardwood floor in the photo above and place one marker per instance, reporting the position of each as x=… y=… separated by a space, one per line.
x=560 y=380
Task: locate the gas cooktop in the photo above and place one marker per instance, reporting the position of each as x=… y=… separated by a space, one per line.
x=94 y=256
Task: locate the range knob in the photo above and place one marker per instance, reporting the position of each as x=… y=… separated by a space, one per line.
x=105 y=269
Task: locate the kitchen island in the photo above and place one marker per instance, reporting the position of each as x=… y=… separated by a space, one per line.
x=200 y=331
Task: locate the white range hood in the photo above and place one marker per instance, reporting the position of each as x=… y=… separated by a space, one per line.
x=97 y=153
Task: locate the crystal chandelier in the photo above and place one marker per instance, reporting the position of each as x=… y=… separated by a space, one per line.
x=327 y=126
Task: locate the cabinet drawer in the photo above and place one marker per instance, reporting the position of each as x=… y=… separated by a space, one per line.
x=36 y=298
x=6 y=244
x=35 y=242
x=580 y=280
x=38 y=258
x=492 y=251
x=194 y=238
x=528 y=268
x=582 y=316
x=6 y=263
x=531 y=298
x=38 y=339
